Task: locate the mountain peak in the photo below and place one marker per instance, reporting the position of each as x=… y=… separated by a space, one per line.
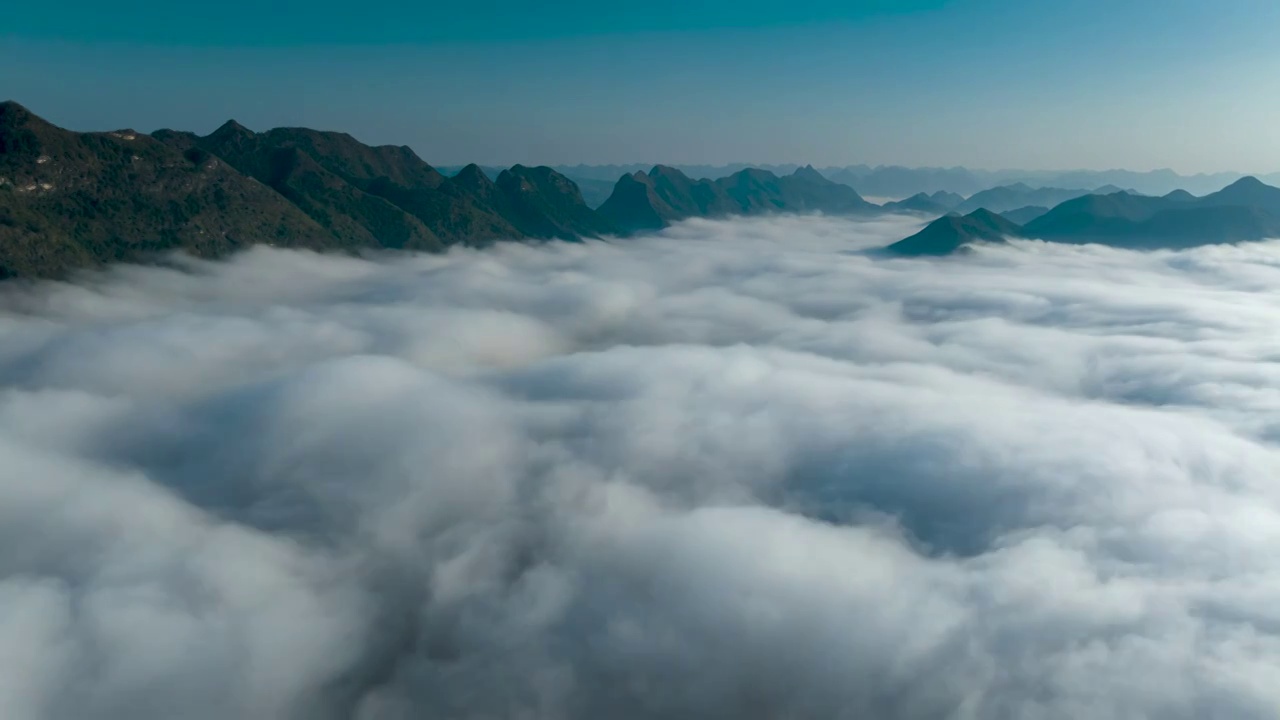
x=472 y=176
x=1247 y=190
x=12 y=106
x=809 y=173
x=918 y=203
x=754 y=172
x=20 y=130
x=13 y=115
x=953 y=233
x=984 y=215
x=664 y=170
x=231 y=128
x=1248 y=182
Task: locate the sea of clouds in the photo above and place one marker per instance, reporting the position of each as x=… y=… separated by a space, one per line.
x=736 y=470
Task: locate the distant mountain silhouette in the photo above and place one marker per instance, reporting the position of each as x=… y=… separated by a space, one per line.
x=1245 y=210
x=902 y=182
x=1096 y=215
x=652 y=200
x=594 y=192
x=897 y=181
x=919 y=203
x=952 y=233
x=611 y=173
x=1247 y=191
x=491 y=171
x=756 y=190
x=1019 y=195
x=1024 y=215
x=946 y=199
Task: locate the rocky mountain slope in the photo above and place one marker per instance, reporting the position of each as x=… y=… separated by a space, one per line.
x=71 y=199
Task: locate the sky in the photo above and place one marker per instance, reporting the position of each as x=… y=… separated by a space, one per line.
x=1138 y=84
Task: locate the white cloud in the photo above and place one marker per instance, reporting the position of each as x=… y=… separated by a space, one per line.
x=734 y=470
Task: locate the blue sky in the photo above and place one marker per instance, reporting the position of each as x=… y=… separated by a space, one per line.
x=1192 y=85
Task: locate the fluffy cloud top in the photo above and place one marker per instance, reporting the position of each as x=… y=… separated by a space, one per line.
x=736 y=470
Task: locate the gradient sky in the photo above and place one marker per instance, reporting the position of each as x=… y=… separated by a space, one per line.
x=1189 y=84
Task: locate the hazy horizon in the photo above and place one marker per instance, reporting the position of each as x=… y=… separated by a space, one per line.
x=976 y=83
x=207 y=128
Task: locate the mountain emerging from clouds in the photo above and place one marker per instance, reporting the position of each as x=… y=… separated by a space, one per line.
x=74 y=199
x=953 y=233
x=654 y=199
x=661 y=196
x=1246 y=210
x=70 y=200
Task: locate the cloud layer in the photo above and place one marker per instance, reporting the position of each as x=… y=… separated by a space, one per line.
x=736 y=470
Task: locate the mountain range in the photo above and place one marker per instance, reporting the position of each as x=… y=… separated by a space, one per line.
x=71 y=199
x=893 y=181
x=1245 y=210
x=955 y=233
x=663 y=195
x=939 y=203
x=1004 y=198
x=897 y=181
x=596 y=181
